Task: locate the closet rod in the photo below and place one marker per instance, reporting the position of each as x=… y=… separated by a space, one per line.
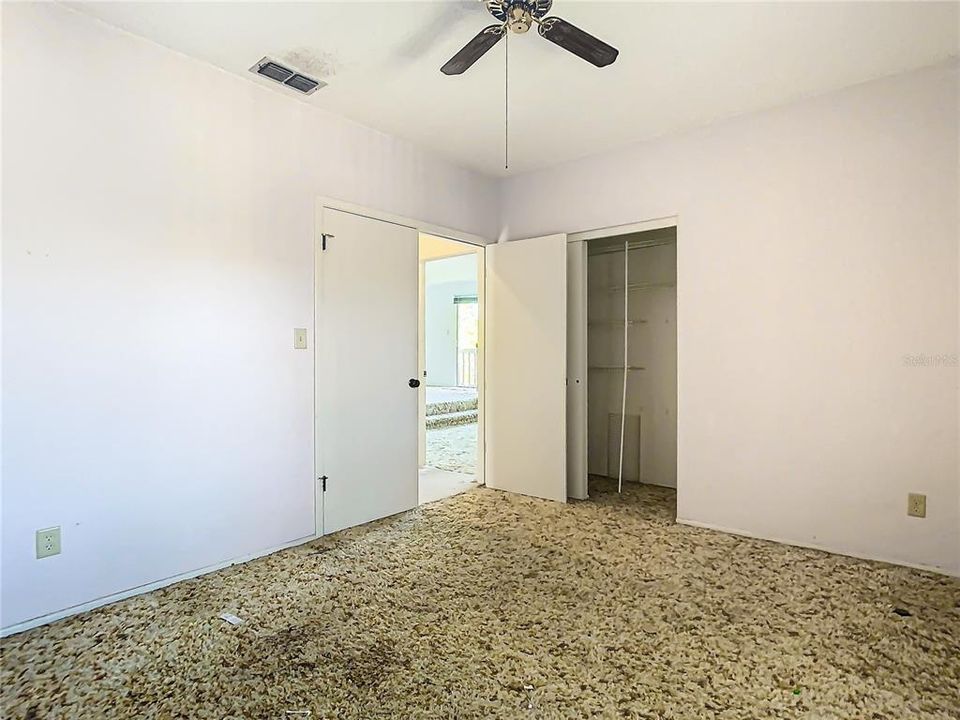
x=641 y=286
x=639 y=245
x=616 y=367
x=615 y=323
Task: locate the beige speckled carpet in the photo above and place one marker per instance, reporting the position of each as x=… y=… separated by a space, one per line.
x=489 y=605
x=453 y=448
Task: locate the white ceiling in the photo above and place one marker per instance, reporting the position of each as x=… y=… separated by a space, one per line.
x=433 y=247
x=681 y=64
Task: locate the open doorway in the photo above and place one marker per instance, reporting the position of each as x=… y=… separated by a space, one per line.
x=450 y=327
x=625 y=335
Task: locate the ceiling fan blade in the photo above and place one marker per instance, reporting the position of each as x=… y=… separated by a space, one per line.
x=473 y=50
x=580 y=43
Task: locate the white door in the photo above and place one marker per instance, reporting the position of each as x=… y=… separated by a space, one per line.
x=526 y=367
x=366 y=357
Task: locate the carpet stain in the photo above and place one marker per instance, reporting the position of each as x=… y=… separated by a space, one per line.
x=491 y=605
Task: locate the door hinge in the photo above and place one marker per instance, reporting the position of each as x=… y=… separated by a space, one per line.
x=323 y=240
x=323 y=479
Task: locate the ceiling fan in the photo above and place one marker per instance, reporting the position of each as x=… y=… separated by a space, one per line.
x=518 y=16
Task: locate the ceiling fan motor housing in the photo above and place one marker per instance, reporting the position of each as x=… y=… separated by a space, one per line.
x=518 y=15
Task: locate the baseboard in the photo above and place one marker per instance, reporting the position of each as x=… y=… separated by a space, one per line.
x=141 y=589
x=149 y=587
x=821 y=548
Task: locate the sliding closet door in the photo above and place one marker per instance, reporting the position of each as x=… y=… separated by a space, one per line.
x=526 y=367
x=366 y=359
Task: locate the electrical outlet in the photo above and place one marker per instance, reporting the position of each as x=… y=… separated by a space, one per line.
x=916 y=505
x=48 y=542
x=299 y=338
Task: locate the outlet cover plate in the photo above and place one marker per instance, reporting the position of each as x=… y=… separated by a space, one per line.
x=916 y=505
x=48 y=542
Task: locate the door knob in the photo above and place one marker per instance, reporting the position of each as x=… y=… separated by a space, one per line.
x=414 y=383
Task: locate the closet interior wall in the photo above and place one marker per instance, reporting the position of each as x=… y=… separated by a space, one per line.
x=648 y=303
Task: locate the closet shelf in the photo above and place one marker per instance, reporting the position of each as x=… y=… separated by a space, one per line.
x=615 y=323
x=615 y=367
x=641 y=286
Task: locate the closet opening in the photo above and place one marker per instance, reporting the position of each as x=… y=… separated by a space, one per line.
x=631 y=365
x=450 y=366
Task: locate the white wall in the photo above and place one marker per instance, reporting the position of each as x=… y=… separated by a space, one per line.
x=445 y=279
x=817 y=254
x=157 y=254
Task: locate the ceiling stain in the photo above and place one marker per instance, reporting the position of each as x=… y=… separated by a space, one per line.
x=313 y=62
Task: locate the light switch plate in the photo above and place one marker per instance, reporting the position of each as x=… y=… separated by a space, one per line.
x=48 y=542
x=299 y=338
x=916 y=505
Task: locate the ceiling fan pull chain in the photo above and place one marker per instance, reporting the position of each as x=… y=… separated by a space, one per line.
x=506 y=101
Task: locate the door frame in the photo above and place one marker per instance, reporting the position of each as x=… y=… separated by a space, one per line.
x=479 y=253
x=422 y=226
x=609 y=231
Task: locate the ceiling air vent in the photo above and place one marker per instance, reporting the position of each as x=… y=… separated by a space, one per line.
x=285 y=76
